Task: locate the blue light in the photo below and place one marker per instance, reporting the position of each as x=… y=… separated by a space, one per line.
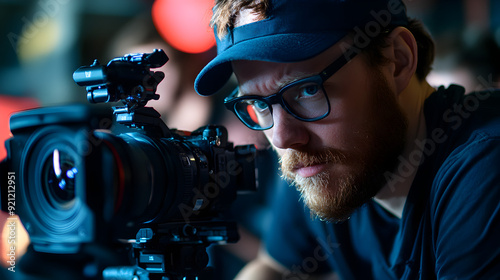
x=62 y=184
x=71 y=173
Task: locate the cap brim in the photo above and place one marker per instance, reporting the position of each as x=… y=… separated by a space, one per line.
x=275 y=48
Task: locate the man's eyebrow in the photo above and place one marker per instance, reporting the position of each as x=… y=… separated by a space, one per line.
x=293 y=78
x=282 y=83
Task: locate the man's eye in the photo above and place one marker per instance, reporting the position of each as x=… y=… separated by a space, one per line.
x=308 y=90
x=259 y=105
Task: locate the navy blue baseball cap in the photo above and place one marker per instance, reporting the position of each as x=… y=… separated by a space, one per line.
x=296 y=30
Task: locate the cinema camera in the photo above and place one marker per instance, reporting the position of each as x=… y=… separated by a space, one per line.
x=164 y=191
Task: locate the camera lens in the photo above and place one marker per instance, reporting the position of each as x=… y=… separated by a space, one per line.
x=59 y=173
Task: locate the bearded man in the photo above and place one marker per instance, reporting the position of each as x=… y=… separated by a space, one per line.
x=401 y=178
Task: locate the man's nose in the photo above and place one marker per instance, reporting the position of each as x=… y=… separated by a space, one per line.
x=287 y=132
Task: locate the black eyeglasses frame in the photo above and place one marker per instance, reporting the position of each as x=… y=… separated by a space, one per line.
x=277 y=98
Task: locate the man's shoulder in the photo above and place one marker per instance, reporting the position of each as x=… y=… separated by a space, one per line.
x=469 y=142
x=465 y=163
x=457 y=121
x=467 y=152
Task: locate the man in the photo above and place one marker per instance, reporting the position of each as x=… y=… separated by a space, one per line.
x=401 y=179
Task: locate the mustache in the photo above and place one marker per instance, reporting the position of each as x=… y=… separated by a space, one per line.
x=292 y=159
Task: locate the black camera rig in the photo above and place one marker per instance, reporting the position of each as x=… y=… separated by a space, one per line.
x=127 y=79
x=163 y=194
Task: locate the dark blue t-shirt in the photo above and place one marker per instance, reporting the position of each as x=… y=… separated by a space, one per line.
x=450 y=228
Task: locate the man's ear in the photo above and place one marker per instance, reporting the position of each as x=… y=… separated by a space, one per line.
x=404 y=55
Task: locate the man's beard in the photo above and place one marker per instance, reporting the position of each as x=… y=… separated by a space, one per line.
x=335 y=197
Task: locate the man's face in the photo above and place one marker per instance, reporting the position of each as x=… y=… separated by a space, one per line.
x=337 y=163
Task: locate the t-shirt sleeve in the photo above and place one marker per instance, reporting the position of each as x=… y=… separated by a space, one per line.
x=290 y=239
x=466 y=212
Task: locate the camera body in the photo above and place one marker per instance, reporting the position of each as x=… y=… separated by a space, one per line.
x=80 y=183
x=89 y=175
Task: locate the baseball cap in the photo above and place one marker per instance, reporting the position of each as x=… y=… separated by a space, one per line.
x=296 y=30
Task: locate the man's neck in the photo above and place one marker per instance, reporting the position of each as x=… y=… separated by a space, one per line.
x=393 y=195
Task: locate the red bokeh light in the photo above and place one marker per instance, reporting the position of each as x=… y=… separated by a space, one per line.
x=184 y=24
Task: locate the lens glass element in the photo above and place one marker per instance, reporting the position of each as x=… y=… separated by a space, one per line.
x=59 y=176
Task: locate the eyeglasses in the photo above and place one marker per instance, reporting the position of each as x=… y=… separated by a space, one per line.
x=305 y=99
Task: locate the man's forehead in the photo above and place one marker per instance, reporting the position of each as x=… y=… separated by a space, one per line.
x=262 y=78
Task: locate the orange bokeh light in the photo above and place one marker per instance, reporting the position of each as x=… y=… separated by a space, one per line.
x=14 y=239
